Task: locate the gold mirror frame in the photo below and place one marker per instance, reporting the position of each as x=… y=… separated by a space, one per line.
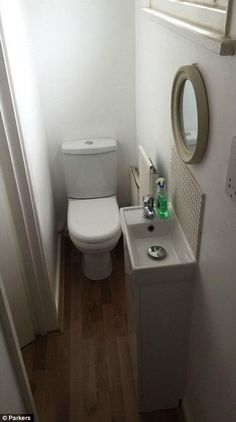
x=192 y=74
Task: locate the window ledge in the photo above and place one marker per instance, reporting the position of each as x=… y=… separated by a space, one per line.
x=211 y=40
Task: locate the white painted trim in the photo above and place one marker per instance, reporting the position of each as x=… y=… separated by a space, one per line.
x=58 y=272
x=223 y=46
x=15 y=352
x=213 y=18
x=187 y=410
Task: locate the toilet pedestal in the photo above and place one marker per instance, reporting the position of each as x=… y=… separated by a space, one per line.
x=97 y=266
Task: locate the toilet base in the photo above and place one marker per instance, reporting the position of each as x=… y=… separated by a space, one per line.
x=97 y=266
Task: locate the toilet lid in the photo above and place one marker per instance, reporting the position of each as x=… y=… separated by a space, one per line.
x=94 y=220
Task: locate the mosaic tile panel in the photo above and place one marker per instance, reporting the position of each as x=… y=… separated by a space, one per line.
x=187 y=200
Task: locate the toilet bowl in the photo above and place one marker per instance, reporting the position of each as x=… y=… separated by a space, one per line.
x=94 y=228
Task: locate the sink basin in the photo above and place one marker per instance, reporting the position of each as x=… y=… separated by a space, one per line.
x=141 y=233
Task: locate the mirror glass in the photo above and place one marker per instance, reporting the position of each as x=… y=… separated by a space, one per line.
x=189 y=115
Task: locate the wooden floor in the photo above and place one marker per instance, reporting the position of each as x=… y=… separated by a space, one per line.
x=85 y=374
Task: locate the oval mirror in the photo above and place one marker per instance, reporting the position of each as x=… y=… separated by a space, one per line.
x=189 y=114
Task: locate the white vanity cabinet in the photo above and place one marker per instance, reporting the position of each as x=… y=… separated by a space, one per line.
x=159 y=313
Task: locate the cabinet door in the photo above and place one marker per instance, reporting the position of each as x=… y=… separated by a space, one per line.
x=165 y=321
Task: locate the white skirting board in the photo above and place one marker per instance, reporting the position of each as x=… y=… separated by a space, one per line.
x=187 y=410
x=58 y=275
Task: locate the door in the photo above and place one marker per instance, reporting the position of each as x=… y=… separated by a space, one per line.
x=15 y=393
x=11 y=264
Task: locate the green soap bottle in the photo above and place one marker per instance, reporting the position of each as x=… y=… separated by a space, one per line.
x=162 y=198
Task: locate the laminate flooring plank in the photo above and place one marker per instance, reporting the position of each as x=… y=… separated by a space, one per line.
x=77 y=406
x=67 y=297
x=75 y=255
x=56 y=394
x=37 y=382
x=67 y=250
x=114 y=322
x=76 y=311
x=63 y=371
x=104 y=408
x=106 y=295
x=115 y=381
x=101 y=367
x=92 y=316
x=117 y=282
x=89 y=381
x=102 y=384
x=148 y=417
x=128 y=387
x=40 y=353
x=180 y=415
x=167 y=416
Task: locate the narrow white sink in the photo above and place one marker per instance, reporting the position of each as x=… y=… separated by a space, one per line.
x=159 y=302
x=141 y=234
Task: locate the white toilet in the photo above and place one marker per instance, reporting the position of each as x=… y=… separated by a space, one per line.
x=93 y=213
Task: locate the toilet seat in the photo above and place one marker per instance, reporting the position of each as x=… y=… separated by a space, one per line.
x=94 y=223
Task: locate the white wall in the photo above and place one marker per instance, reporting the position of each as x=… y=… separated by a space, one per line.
x=84 y=53
x=211 y=383
x=18 y=51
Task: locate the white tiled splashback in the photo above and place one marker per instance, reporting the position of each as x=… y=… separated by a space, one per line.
x=187 y=200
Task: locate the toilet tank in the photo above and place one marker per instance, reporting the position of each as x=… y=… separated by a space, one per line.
x=90 y=167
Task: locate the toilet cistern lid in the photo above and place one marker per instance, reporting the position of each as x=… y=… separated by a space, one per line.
x=89 y=146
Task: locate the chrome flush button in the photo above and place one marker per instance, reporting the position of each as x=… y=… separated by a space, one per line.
x=157 y=252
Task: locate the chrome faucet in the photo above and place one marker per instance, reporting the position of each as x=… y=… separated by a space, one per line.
x=148 y=206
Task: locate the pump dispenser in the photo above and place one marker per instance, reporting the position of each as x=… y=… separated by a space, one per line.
x=162 y=198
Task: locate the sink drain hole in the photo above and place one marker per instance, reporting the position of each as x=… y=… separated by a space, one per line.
x=157 y=252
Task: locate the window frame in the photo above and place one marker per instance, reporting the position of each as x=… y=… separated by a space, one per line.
x=210 y=3
x=217 y=41
x=195 y=12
